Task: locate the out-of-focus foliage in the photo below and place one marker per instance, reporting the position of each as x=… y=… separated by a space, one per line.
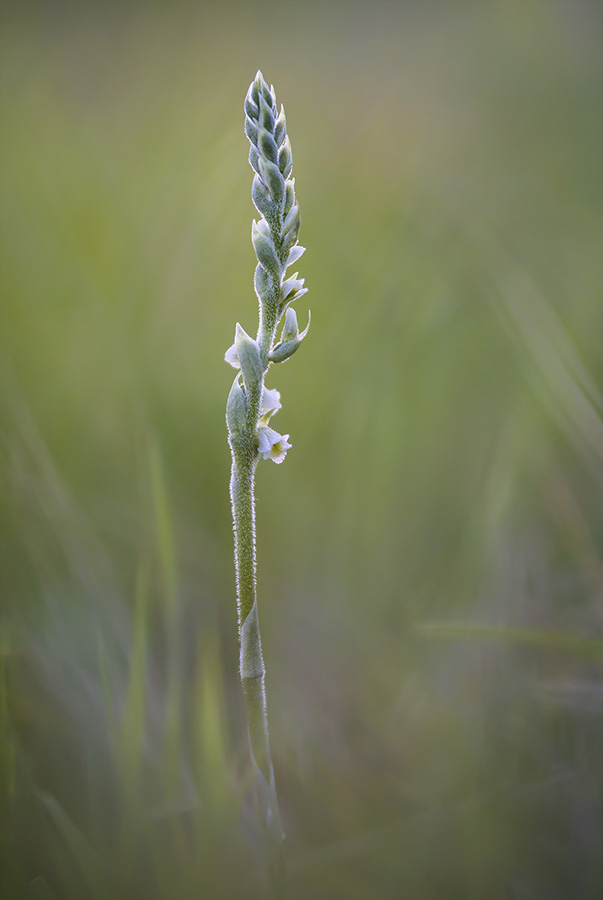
x=430 y=582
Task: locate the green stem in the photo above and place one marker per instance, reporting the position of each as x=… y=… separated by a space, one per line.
x=252 y=670
x=267 y=328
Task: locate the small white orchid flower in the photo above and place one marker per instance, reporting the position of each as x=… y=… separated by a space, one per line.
x=271 y=403
x=273 y=445
x=244 y=354
x=294 y=285
x=290 y=328
x=231 y=356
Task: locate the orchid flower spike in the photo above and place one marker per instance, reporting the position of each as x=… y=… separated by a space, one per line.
x=251 y=405
x=275 y=240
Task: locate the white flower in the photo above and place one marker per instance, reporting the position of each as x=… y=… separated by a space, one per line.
x=290 y=328
x=294 y=285
x=231 y=356
x=273 y=445
x=271 y=403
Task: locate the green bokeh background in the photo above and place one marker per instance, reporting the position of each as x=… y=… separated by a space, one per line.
x=429 y=569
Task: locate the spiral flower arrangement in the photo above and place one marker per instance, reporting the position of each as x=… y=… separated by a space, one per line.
x=250 y=407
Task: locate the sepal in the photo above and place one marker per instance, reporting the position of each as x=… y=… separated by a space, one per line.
x=232 y=357
x=269 y=404
x=294 y=255
x=292 y=286
x=293 y=297
x=250 y=360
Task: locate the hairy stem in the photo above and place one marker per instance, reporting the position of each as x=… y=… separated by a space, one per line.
x=252 y=668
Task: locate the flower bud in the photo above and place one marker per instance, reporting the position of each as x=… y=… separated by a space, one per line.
x=251 y=130
x=268 y=94
x=264 y=249
x=262 y=281
x=254 y=160
x=290 y=328
x=251 y=107
x=285 y=159
x=289 y=194
x=291 y=229
x=267 y=146
x=236 y=407
x=272 y=178
x=291 y=217
x=254 y=88
x=266 y=117
x=280 y=126
x=261 y=197
x=288 y=345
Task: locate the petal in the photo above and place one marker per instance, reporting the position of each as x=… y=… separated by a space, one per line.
x=279 y=450
x=294 y=255
x=264 y=444
x=290 y=328
x=271 y=444
x=291 y=285
x=248 y=352
x=271 y=401
x=231 y=356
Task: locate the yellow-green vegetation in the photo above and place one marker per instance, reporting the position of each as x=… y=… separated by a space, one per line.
x=430 y=574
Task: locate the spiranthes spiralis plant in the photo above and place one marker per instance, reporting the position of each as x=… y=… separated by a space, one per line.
x=249 y=409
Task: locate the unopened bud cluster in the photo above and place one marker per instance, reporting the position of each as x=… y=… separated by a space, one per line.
x=274 y=238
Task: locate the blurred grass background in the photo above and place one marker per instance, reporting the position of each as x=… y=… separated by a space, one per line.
x=430 y=576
